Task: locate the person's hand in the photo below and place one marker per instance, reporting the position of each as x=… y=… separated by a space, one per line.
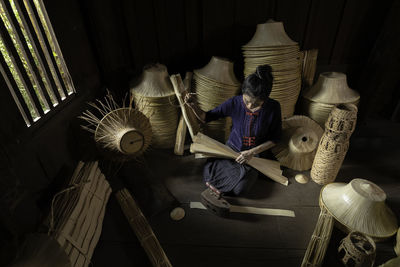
x=244 y=156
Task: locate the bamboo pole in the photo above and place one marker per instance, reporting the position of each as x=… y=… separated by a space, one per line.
x=180 y=137
x=142 y=229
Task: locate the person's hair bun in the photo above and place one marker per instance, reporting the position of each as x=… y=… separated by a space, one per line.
x=264 y=72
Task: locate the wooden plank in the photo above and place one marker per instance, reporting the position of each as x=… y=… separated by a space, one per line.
x=35 y=77
x=358 y=33
x=44 y=42
x=40 y=54
x=170 y=21
x=323 y=24
x=294 y=16
x=20 y=70
x=218 y=23
x=194 y=34
x=180 y=137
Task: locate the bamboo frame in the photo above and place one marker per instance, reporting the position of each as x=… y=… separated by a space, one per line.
x=142 y=229
x=206 y=145
x=180 y=137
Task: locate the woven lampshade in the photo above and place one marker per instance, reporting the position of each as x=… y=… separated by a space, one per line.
x=330 y=89
x=360 y=206
x=271 y=45
x=214 y=84
x=154 y=96
x=300 y=138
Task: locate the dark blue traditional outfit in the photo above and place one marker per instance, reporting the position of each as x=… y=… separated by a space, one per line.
x=249 y=129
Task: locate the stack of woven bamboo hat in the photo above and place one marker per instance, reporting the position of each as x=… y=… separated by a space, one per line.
x=214 y=84
x=271 y=45
x=330 y=89
x=154 y=96
x=334 y=143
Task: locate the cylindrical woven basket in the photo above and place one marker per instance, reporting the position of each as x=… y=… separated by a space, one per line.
x=328 y=160
x=357 y=250
x=154 y=96
x=342 y=118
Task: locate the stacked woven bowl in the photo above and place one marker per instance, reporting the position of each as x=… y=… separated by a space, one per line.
x=154 y=96
x=330 y=89
x=214 y=84
x=271 y=45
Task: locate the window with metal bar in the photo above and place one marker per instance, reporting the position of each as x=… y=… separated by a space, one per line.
x=31 y=61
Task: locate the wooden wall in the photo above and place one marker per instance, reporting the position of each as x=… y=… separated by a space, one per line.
x=185 y=34
x=107 y=42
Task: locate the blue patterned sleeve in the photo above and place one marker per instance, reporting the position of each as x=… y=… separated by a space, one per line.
x=223 y=110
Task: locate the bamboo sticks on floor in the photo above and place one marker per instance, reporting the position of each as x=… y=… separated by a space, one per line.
x=142 y=229
x=208 y=146
x=77 y=213
x=319 y=242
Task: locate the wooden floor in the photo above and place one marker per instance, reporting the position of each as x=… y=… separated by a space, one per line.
x=163 y=181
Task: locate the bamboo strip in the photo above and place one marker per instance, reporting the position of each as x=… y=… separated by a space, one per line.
x=142 y=229
x=319 y=242
x=206 y=145
x=187 y=113
x=180 y=137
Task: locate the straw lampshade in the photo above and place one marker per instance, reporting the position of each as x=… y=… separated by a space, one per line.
x=154 y=96
x=121 y=133
x=360 y=206
x=271 y=45
x=299 y=143
x=214 y=84
x=330 y=89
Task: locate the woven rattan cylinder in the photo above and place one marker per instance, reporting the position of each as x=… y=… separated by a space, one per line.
x=342 y=118
x=357 y=250
x=155 y=98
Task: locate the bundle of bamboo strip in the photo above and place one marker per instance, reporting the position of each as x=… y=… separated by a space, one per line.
x=309 y=67
x=319 y=242
x=208 y=146
x=142 y=229
x=77 y=213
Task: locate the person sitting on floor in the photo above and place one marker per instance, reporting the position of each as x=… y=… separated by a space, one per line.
x=256 y=127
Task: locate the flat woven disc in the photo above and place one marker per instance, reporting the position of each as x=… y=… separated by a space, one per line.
x=132 y=142
x=301 y=178
x=177 y=214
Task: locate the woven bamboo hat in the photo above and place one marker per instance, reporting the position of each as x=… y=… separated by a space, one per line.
x=332 y=88
x=360 y=206
x=154 y=96
x=299 y=142
x=271 y=33
x=219 y=70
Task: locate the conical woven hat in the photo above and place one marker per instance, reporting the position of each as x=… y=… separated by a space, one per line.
x=299 y=142
x=271 y=33
x=331 y=88
x=154 y=82
x=219 y=70
x=360 y=206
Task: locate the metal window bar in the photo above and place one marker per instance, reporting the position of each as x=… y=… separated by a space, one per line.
x=32 y=47
x=22 y=48
x=53 y=39
x=16 y=94
x=44 y=43
x=20 y=72
x=35 y=42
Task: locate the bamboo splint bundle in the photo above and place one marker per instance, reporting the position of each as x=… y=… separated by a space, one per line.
x=81 y=212
x=142 y=229
x=309 y=67
x=319 y=242
x=206 y=145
